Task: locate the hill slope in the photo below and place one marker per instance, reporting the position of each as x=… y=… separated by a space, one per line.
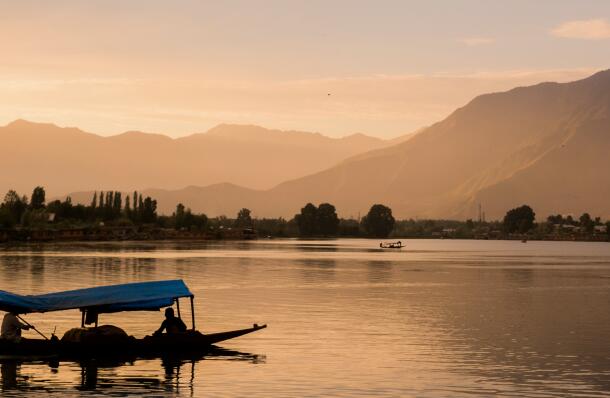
x=546 y=145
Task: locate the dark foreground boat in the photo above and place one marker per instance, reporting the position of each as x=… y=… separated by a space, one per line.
x=105 y=340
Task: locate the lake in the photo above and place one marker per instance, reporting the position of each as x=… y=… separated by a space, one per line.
x=436 y=318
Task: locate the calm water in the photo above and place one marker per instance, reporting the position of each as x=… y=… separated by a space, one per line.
x=437 y=318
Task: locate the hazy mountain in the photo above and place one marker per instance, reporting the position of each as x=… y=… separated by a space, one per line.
x=405 y=137
x=68 y=159
x=547 y=145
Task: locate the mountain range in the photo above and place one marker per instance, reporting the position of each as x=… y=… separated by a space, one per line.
x=68 y=159
x=546 y=145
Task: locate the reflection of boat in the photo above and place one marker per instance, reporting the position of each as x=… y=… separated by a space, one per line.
x=97 y=342
x=94 y=374
x=391 y=245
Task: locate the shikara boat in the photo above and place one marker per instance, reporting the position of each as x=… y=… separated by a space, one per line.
x=391 y=245
x=105 y=341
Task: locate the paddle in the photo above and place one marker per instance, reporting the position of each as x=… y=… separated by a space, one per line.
x=32 y=327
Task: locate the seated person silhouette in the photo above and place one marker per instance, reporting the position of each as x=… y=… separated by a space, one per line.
x=11 y=327
x=171 y=324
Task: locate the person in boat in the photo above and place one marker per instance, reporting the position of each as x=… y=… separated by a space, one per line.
x=12 y=326
x=171 y=324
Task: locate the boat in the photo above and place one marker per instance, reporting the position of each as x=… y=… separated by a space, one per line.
x=108 y=340
x=390 y=245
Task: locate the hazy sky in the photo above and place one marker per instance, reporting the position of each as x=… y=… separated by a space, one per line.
x=179 y=67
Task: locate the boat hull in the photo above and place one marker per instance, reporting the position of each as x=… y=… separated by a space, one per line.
x=188 y=343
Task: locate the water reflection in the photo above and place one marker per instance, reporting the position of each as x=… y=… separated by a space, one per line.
x=379 y=271
x=170 y=374
x=8 y=370
x=438 y=318
x=520 y=277
x=527 y=330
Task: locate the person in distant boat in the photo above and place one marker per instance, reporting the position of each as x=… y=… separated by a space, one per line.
x=11 y=327
x=171 y=324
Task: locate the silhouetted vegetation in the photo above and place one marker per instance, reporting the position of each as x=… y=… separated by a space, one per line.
x=12 y=209
x=184 y=219
x=379 y=222
x=520 y=219
x=38 y=198
x=105 y=207
x=317 y=221
x=243 y=218
x=135 y=217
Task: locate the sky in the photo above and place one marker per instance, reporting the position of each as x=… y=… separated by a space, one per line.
x=382 y=68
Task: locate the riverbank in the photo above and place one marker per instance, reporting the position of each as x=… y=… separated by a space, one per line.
x=154 y=233
x=114 y=233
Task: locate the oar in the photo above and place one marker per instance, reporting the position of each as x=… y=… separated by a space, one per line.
x=32 y=326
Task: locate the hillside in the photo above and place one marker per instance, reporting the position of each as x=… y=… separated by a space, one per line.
x=546 y=145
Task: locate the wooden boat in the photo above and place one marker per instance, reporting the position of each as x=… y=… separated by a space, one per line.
x=391 y=245
x=95 y=342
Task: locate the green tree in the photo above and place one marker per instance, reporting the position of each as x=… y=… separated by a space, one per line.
x=327 y=220
x=38 y=198
x=520 y=219
x=101 y=204
x=307 y=220
x=243 y=218
x=135 y=201
x=109 y=199
x=557 y=219
x=94 y=200
x=197 y=221
x=586 y=223
x=117 y=205
x=379 y=221
x=6 y=218
x=179 y=216
x=127 y=206
x=14 y=206
x=149 y=209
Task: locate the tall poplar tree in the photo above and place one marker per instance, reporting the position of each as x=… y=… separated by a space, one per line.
x=127 y=207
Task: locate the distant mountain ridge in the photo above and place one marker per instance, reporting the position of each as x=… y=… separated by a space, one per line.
x=546 y=145
x=69 y=159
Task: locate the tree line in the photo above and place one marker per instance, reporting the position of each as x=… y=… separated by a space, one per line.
x=522 y=220
x=106 y=206
x=323 y=221
x=115 y=208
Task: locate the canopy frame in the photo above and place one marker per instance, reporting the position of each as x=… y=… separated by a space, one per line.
x=84 y=311
x=192 y=298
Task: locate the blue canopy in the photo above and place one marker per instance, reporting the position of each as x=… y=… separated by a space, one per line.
x=143 y=296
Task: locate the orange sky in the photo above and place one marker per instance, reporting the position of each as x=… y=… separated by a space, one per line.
x=390 y=67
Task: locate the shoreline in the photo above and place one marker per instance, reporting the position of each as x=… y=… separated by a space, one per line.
x=210 y=238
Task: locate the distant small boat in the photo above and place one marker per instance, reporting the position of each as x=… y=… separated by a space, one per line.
x=391 y=245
